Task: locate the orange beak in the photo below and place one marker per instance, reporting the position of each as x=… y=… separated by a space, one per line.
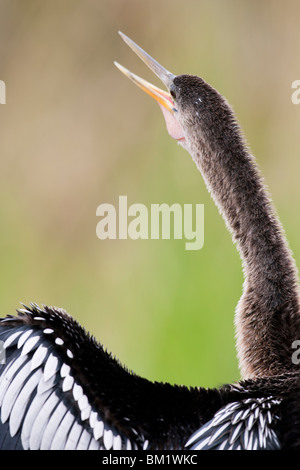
x=162 y=97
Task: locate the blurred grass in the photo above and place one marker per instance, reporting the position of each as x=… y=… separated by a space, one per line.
x=75 y=134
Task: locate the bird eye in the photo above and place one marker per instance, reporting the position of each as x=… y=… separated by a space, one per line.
x=173 y=92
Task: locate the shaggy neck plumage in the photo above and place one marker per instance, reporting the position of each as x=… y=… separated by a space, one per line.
x=267 y=317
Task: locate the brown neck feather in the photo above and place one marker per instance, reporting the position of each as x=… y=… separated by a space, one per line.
x=267 y=317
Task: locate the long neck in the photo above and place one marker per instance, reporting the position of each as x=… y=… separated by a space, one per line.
x=267 y=317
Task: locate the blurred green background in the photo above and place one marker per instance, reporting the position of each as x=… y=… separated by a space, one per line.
x=76 y=133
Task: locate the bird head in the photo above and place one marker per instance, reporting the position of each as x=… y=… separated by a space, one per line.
x=166 y=99
x=193 y=110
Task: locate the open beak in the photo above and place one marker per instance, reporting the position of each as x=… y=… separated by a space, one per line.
x=162 y=97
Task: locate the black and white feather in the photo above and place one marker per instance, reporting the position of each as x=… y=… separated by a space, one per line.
x=244 y=425
x=42 y=395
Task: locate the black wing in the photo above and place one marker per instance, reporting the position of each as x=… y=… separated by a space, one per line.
x=42 y=388
x=59 y=389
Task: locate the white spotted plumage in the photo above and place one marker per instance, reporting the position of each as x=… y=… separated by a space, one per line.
x=245 y=424
x=35 y=400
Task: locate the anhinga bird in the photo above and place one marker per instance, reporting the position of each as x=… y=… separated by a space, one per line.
x=59 y=389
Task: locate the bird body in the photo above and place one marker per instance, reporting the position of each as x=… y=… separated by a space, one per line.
x=59 y=388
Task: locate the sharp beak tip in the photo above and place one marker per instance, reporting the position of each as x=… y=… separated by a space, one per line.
x=124 y=70
x=117 y=64
x=165 y=76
